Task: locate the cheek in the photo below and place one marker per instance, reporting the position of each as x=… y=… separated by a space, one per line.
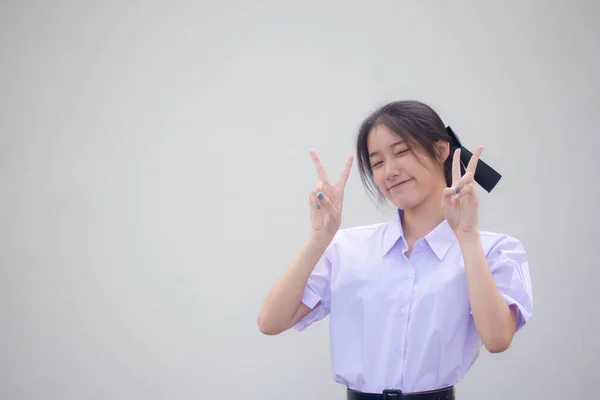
x=379 y=178
x=425 y=179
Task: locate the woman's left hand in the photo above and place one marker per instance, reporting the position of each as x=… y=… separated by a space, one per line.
x=460 y=202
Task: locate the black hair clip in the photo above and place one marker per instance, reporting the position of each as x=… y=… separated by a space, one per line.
x=486 y=176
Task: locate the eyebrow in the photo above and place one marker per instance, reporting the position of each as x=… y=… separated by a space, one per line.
x=374 y=153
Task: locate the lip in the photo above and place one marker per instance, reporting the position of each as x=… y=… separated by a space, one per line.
x=399 y=185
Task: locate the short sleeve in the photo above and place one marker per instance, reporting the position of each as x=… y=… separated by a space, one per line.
x=510 y=270
x=317 y=293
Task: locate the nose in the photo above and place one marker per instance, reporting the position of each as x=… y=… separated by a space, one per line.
x=391 y=171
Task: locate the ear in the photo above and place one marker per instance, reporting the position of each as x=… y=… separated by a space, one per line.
x=443 y=150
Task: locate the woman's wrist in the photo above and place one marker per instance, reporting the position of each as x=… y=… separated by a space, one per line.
x=466 y=239
x=320 y=238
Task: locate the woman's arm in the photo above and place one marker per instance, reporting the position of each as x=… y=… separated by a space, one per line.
x=282 y=308
x=495 y=321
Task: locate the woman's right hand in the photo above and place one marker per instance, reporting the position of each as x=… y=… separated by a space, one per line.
x=327 y=199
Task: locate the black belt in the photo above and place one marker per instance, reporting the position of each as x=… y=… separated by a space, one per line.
x=442 y=394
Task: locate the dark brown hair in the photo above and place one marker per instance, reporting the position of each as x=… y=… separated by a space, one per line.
x=416 y=123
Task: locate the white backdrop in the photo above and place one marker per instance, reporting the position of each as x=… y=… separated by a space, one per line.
x=154 y=171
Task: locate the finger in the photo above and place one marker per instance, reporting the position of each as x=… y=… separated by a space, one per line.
x=455 y=167
x=346 y=172
x=313 y=201
x=459 y=186
x=319 y=165
x=325 y=203
x=467 y=190
x=450 y=191
x=462 y=182
x=319 y=186
x=474 y=160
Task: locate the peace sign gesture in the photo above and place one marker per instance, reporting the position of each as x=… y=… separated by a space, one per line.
x=326 y=201
x=460 y=202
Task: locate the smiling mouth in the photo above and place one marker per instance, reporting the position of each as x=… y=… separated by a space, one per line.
x=399 y=185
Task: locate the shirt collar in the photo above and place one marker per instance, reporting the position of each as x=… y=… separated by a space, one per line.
x=440 y=239
x=393 y=233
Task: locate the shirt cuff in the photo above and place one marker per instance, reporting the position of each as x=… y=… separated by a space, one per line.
x=311 y=300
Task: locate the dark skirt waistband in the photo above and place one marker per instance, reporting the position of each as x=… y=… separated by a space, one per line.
x=441 y=394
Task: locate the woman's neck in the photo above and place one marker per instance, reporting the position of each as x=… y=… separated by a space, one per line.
x=417 y=222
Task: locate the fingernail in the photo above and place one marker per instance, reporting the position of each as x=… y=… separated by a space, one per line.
x=457 y=190
x=318 y=206
x=320 y=196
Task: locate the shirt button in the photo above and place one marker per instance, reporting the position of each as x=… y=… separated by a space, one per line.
x=403 y=311
x=409 y=274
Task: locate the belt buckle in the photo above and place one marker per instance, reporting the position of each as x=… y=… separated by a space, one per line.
x=392 y=394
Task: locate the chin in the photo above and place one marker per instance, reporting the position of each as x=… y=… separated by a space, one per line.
x=404 y=202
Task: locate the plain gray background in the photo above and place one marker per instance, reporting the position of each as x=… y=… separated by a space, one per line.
x=154 y=176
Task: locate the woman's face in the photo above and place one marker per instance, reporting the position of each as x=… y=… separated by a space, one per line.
x=405 y=177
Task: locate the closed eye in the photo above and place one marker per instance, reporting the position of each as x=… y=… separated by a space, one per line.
x=398 y=154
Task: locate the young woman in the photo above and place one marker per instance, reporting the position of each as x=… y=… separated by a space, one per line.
x=411 y=301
